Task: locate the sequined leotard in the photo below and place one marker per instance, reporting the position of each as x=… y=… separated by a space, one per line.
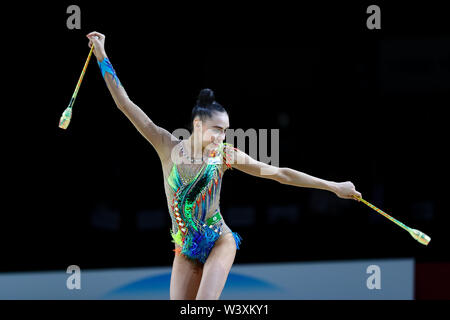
x=193 y=199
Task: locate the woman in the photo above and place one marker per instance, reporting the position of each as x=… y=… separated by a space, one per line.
x=205 y=247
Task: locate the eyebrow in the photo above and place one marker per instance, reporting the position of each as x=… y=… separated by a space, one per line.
x=220 y=127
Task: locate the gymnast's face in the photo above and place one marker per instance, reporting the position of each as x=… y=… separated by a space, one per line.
x=212 y=129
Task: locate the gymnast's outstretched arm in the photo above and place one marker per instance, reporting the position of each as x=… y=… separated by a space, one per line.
x=161 y=139
x=245 y=163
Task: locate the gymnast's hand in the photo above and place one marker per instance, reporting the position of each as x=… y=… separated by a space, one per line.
x=99 y=44
x=346 y=190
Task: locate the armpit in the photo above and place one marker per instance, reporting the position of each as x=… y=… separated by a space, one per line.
x=167 y=144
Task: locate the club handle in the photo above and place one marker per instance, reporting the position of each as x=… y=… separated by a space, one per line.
x=383 y=214
x=416 y=234
x=67 y=114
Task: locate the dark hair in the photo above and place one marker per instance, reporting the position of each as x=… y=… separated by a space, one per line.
x=205 y=107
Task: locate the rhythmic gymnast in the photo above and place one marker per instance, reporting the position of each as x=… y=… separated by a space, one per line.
x=193 y=168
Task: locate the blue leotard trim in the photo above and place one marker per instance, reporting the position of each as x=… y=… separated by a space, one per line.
x=106 y=66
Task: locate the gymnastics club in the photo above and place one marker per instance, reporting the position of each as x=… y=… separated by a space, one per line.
x=416 y=234
x=67 y=114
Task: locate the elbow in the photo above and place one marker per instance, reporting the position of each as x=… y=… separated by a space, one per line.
x=123 y=102
x=120 y=105
x=282 y=175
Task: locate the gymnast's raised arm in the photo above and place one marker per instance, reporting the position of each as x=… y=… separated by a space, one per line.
x=161 y=139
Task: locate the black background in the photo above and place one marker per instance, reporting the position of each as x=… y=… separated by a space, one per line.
x=367 y=106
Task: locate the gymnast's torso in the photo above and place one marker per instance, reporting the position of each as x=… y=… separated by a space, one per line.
x=193 y=199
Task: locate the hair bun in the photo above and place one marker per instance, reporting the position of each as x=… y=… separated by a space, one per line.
x=205 y=97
